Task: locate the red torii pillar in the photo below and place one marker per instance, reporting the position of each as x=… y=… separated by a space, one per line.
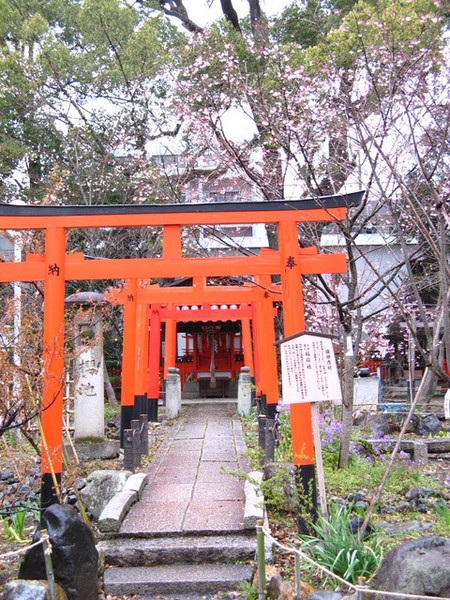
x=171 y=250
x=256 y=356
x=53 y=363
x=170 y=345
x=268 y=375
x=247 y=346
x=154 y=357
x=128 y=357
x=141 y=366
x=294 y=321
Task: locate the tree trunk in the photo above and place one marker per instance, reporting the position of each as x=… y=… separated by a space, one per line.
x=110 y=393
x=230 y=13
x=347 y=403
x=428 y=387
x=429 y=379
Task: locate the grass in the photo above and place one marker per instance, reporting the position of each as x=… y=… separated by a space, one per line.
x=14 y=525
x=248 y=590
x=111 y=412
x=364 y=474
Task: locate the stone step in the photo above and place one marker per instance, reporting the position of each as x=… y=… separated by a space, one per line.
x=403 y=396
x=140 y=552
x=175 y=579
x=403 y=389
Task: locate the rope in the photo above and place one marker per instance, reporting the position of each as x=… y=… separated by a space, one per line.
x=20 y=550
x=310 y=560
x=356 y=588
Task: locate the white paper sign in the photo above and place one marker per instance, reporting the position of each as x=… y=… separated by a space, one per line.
x=308 y=369
x=447 y=404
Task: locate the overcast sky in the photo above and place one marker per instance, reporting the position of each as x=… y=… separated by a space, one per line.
x=202 y=15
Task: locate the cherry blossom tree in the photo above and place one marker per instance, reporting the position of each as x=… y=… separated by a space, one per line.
x=364 y=106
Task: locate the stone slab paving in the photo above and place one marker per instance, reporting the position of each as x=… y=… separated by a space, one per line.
x=190 y=487
x=214 y=515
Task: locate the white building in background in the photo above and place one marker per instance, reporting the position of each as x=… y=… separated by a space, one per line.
x=6 y=247
x=378 y=253
x=209 y=182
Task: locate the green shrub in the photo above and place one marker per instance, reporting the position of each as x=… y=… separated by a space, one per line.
x=334 y=546
x=443 y=512
x=111 y=412
x=14 y=525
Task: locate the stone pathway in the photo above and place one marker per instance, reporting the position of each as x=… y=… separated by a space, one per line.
x=185 y=538
x=191 y=490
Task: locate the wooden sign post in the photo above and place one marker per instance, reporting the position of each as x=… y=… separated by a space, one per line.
x=309 y=375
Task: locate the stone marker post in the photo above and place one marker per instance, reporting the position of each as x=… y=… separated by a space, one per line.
x=262 y=438
x=269 y=439
x=173 y=393
x=89 y=407
x=244 y=392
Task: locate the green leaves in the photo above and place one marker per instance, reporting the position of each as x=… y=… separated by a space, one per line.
x=82 y=83
x=444 y=512
x=106 y=24
x=307 y=24
x=378 y=31
x=14 y=525
x=337 y=548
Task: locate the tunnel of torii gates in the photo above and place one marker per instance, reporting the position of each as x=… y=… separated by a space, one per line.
x=143 y=303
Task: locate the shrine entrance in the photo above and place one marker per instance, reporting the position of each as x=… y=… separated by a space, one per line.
x=209 y=358
x=146 y=303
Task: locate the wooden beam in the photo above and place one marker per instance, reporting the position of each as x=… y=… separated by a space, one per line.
x=208 y=314
x=78 y=268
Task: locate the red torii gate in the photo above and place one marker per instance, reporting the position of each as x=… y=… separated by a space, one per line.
x=144 y=303
x=54 y=267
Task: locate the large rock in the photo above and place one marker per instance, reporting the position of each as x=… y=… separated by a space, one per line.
x=401 y=528
x=381 y=424
x=22 y=589
x=74 y=555
x=101 y=487
x=417 y=567
x=428 y=425
x=413 y=423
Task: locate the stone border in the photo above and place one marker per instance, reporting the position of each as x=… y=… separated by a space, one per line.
x=419 y=448
x=104 y=450
x=117 y=508
x=254 y=500
x=254 y=509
